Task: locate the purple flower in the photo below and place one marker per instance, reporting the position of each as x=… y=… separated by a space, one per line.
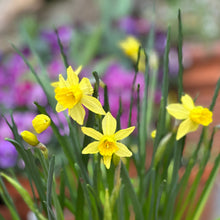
x=173 y=62
x=160 y=42
x=15 y=67
x=65 y=34
x=8 y=154
x=134 y=26
x=55 y=67
x=119 y=82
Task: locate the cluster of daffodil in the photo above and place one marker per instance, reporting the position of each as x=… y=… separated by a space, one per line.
x=40 y=123
x=73 y=94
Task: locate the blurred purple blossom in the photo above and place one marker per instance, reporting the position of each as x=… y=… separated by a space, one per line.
x=134 y=26
x=8 y=154
x=173 y=62
x=119 y=82
x=55 y=67
x=49 y=36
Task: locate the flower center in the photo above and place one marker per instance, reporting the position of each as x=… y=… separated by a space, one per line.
x=201 y=115
x=68 y=97
x=107 y=146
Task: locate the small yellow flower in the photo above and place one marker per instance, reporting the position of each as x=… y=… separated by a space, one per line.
x=106 y=144
x=192 y=115
x=72 y=94
x=40 y=123
x=153 y=133
x=30 y=138
x=130 y=47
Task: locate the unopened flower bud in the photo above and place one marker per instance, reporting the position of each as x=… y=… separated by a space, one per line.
x=43 y=149
x=153 y=60
x=41 y=123
x=30 y=138
x=154 y=133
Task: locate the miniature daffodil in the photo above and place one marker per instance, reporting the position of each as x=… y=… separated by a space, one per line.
x=107 y=143
x=192 y=115
x=73 y=95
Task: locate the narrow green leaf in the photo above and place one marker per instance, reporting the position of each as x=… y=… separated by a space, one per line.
x=64 y=57
x=217 y=88
x=133 y=86
x=131 y=193
x=80 y=203
x=51 y=215
x=25 y=195
x=180 y=55
x=85 y=190
x=43 y=84
x=96 y=203
x=8 y=201
x=106 y=101
x=62 y=188
x=207 y=190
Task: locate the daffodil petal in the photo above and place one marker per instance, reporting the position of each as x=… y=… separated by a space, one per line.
x=92 y=104
x=92 y=133
x=77 y=113
x=78 y=70
x=86 y=86
x=55 y=84
x=91 y=148
x=107 y=161
x=123 y=150
x=121 y=134
x=72 y=78
x=62 y=82
x=186 y=127
x=108 y=124
x=187 y=101
x=59 y=107
x=178 y=111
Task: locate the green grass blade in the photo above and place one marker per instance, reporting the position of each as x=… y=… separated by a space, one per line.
x=63 y=55
x=25 y=195
x=207 y=190
x=131 y=193
x=217 y=88
x=85 y=191
x=8 y=201
x=51 y=215
x=180 y=56
x=47 y=90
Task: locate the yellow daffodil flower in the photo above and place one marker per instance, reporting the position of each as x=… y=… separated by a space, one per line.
x=130 y=47
x=192 y=115
x=72 y=95
x=30 y=138
x=40 y=123
x=107 y=143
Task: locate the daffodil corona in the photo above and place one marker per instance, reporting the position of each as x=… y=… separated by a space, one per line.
x=192 y=115
x=107 y=143
x=72 y=95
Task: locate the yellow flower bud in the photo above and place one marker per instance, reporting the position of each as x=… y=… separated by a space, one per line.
x=43 y=149
x=41 y=123
x=154 y=133
x=30 y=138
